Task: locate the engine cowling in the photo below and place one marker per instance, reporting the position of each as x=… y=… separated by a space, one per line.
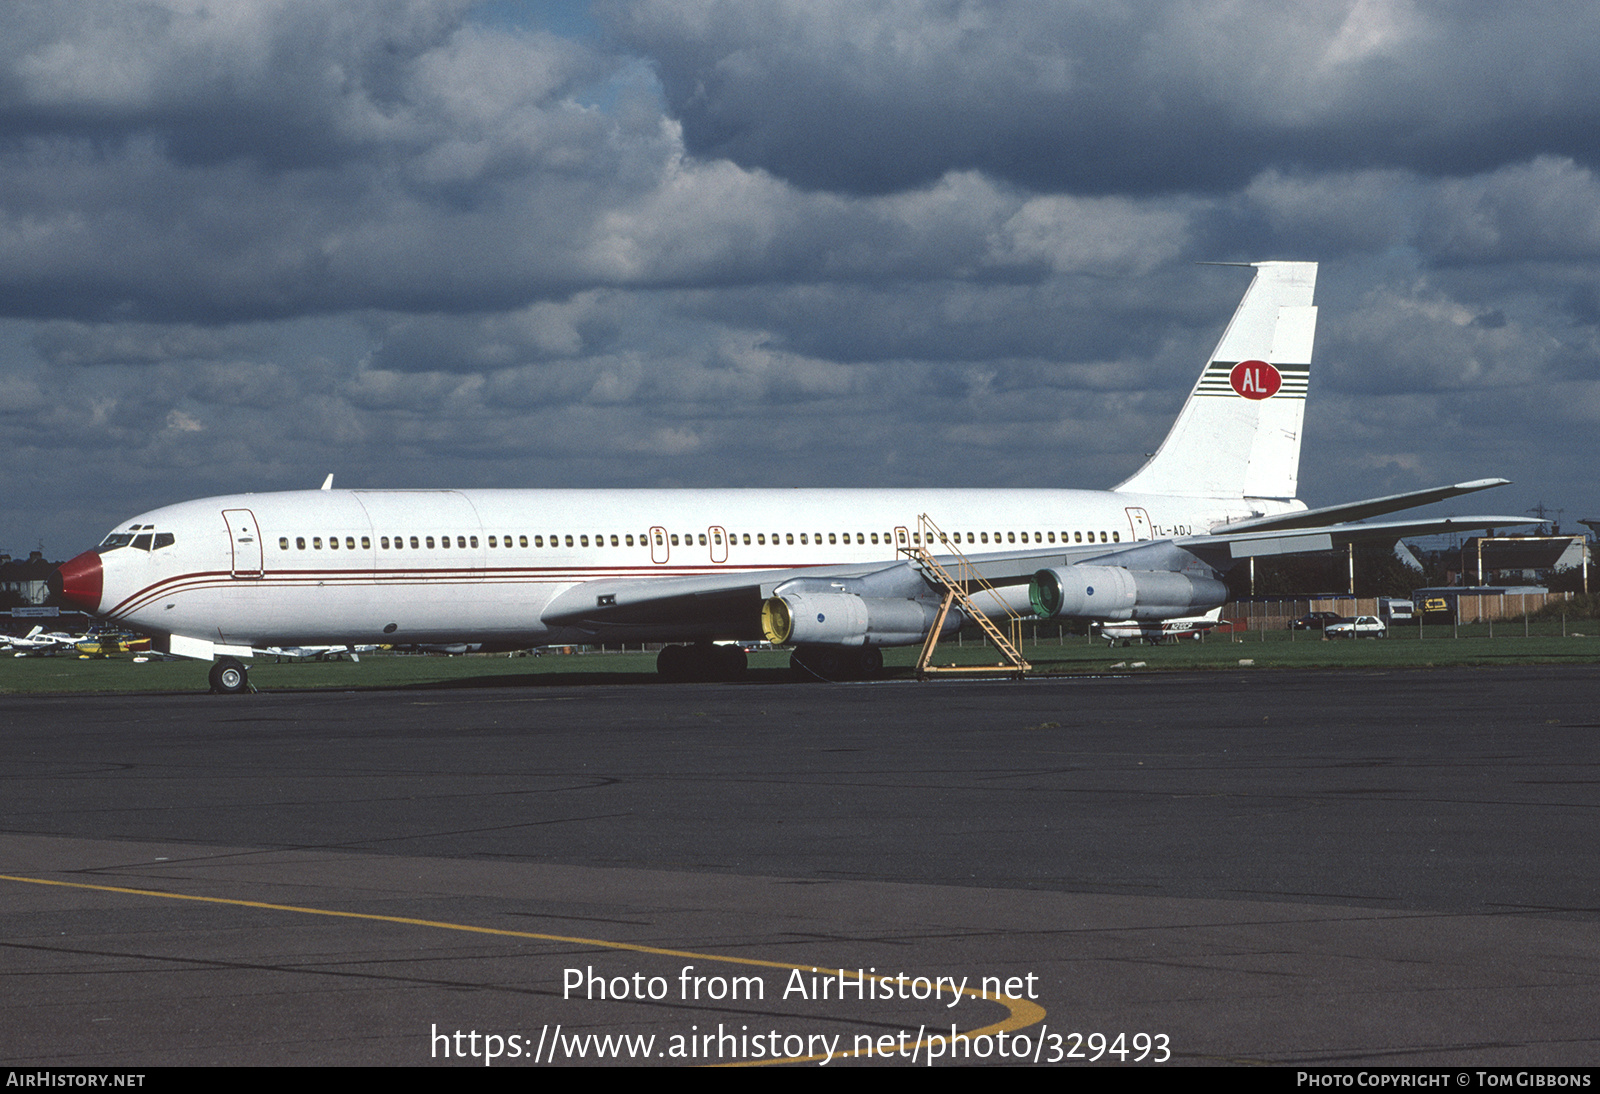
x=1112 y=593
x=845 y=619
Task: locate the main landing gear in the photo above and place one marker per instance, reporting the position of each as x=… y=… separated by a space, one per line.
x=701 y=663
x=229 y=677
x=831 y=663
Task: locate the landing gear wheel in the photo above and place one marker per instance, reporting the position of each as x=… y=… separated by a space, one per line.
x=229 y=677
x=869 y=663
x=827 y=663
x=672 y=662
x=731 y=663
x=701 y=663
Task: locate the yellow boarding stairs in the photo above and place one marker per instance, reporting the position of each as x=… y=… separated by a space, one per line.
x=959 y=588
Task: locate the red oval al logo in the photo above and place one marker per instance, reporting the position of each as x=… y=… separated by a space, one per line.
x=1255 y=379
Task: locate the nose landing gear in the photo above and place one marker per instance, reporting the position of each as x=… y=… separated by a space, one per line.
x=229 y=677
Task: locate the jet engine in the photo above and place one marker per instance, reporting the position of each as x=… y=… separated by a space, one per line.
x=845 y=619
x=1112 y=593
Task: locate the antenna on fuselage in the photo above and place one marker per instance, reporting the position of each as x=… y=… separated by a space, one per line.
x=327 y=483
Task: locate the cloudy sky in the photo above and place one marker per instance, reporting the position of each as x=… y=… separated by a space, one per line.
x=244 y=243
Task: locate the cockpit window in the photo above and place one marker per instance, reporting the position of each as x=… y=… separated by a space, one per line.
x=141 y=542
x=115 y=540
x=165 y=539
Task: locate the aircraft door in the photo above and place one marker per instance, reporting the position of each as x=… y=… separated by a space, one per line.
x=1139 y=520
x=719 y=544
x=244 y=541
x=659 y=551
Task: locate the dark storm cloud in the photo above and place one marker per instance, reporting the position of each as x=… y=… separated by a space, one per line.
x=210 y=162
x=243 y=244
x=231 y=160
x=871 y=97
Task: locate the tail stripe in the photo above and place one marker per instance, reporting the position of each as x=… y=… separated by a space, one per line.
x=1214 y=381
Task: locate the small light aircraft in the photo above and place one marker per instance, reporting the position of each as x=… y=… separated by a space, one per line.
x=1156 y=631
x=832 y=573
x=38 y=643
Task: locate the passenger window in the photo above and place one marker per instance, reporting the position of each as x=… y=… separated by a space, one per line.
x=761 y=539
x=874 y=537
x=803 y=538
x=366 y=543
x=614 y=542
x=384 y=542
x=333 y=543
x=492 y=542
x=747 y=539
x=583 y=541
x=299 y=543
x=702 y=539
x=414 y=543
x=983 y=536
x=674 y=539
x=628 y=539
x=283 y=543
x=472 y=542
x=430 y=543
x=788 y=537
x=833 y=538
x=316 y=543
x=1116 y=537
x=444 y=543
x=350 y=543
x=569 y=540
x=524 y=540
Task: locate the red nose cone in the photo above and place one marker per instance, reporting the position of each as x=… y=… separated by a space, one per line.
x=81 y=581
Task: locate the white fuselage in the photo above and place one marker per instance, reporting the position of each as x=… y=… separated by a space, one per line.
x=410 y=566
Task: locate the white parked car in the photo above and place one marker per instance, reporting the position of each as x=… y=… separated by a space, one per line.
x=1362 y=626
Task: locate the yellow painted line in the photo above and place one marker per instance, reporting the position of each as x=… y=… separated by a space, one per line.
x=1023 y=1012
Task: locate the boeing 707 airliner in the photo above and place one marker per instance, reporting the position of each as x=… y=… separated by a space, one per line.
x=824 y=571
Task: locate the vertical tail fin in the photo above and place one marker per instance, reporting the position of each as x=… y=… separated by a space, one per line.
x=1238 y=436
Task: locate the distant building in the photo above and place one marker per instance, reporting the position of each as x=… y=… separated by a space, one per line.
x=23 y=583
x=1517 y=559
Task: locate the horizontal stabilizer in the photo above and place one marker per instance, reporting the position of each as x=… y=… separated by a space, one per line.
x=1361 y=510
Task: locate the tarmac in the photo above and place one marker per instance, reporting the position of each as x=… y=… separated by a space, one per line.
x=1308 y=868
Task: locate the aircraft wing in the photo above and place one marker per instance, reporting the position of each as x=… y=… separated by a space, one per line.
x=1305 y=540
x=728 y=604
